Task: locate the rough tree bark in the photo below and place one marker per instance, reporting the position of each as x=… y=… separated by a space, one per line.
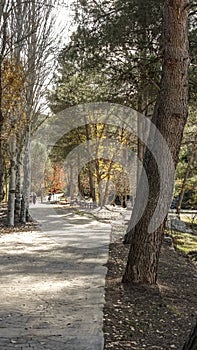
x=3 y=18
x=170 y=116
x=2 y=160
x=12 y=182
x=30 y=95
x=2 y=172
x=18 y=182
x=191 y=344
x=24 y=216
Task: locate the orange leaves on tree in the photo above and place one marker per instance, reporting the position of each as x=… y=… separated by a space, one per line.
x=55 y=178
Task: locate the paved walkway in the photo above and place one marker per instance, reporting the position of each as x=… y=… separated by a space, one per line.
x=52 y=283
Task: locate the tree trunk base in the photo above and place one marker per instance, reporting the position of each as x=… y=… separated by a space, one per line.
x=191 y=344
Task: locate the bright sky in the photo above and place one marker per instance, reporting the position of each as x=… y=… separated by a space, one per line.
x=63 y=28
x=64 y=20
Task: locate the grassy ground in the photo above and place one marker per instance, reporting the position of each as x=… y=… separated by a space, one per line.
x=187 y=242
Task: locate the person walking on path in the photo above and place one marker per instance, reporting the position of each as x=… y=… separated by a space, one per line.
x=34 y=198
x=49 y=197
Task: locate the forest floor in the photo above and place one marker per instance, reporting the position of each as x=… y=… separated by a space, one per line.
x=19 y=227
x=139 y=317
x=157 y=317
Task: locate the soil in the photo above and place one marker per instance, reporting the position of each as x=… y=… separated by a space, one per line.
x=154 y=317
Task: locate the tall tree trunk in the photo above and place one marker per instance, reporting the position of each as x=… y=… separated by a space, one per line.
x=106 y=191
x=90 y=166
x=2 y=173
x=12 y=182
x=170 y=116
x=191 y=344
x=140 y=151
x=91 y=182
x=98 y=180
x=27 y=178
x=182 y=191
x=18 y=184
x=4 y=17
x=140 y=144
x=2 y=160
x=72 y=183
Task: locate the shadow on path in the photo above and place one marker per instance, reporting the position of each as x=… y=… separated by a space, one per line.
x=52 y=283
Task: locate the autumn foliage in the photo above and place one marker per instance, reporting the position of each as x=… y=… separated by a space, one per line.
x=13 y=98
x=55 y=178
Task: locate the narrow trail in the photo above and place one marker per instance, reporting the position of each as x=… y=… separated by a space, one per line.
x=52 y=283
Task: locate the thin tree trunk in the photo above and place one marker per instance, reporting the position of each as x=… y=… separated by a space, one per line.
x=106 y=192
x=140 y=151
x=140 y=145
x=12 y=182
x=170 y=116
x=98 y=180
x=2 y=173
x=27 y=178
x=2 y=160
x=72 y=184
x=90 y=172
x=6 y=188
x=18 y=184
x=91 y=182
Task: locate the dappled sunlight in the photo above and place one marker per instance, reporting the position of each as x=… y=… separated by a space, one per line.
x=25 y=242
x=52 y=280
x=166 y=288
x=44 y=285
